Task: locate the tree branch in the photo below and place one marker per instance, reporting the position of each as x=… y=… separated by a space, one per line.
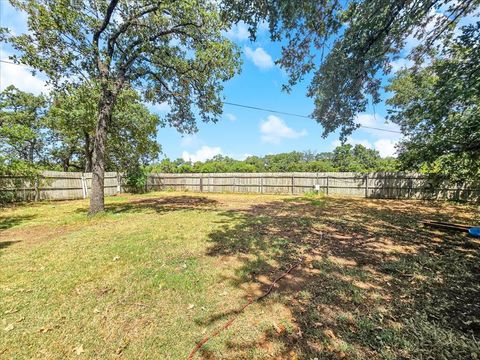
x=101 y=29
x=124 y=27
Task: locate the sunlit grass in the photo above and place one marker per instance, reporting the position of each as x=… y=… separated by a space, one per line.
x=157 y=272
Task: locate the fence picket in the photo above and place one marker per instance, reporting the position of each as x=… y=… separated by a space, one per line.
x=62 y=185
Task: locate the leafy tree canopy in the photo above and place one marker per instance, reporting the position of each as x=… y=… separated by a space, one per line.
x=438 y=109
x=72 y=117
x=172 y=51
x=348 y=45
x=344 y=158
x=22 y=133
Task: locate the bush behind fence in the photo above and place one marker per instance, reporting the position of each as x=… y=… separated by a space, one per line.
x=53 y=185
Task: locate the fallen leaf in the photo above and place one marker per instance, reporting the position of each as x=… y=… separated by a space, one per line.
x=9 y=327
x=191 y=306
x=329 y=333
x=78 y=349
x=122 y=347
x=45 y=329
x=96 y=311
x=11 y=311
x=116 y=258
x=279 y=328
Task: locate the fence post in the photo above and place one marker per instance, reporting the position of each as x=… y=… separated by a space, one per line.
x=327 y=184
x=261 y=184
x=119 y=179
x=410 y=187
x=36 y=186
x=84 y=185
x=366 y=185
x=293 y=179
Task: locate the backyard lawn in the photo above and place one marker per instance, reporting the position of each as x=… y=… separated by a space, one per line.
x=158 y=272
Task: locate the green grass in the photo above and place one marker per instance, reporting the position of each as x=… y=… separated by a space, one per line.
x=157 y=272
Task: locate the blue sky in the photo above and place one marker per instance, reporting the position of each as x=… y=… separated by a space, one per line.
x=240 y=132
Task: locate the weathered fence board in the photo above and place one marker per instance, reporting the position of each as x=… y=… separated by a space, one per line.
x=373 y=185
x=56 y=185
x=53 y=185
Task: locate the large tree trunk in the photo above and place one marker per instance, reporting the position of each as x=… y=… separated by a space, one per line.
x=88 y=153
x=106 y=103
x=31 y=150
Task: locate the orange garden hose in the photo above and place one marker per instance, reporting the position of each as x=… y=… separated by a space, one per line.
x=202 y=342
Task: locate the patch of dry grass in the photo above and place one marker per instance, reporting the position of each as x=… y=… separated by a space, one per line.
x=156 y=272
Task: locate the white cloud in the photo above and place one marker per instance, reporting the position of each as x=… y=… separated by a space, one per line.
x=244 y=156
x=259 y=57
x=238 y=32
x=22 y=78
x=369 y=121
x=189 y=141
x=240 y=157
x=202 y=154
x=230 y=117
x=353 y=142
x=400 y=64
x=274 y=130
x=383 y=141
x=163 y=107
x=386 y=147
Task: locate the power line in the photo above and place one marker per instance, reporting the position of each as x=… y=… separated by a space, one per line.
x=300 y=115
x=267 y=110
x=255 y=107
x=14 y=63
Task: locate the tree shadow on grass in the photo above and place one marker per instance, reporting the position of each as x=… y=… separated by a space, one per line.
x=372 y=281
x=161 y=204
x=15 y=220
x=8 y=223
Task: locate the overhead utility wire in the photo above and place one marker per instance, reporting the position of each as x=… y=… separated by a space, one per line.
x=259 y=108
x=300 y=115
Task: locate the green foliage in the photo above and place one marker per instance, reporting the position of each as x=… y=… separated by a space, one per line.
x=346 y=46
x=131 y=141
x=343 y=158
x=173 y=51
x=360 y=159
x=136 y=180
x=22 y=127
x=14 y=174
x=60 y=134
x=437 y=108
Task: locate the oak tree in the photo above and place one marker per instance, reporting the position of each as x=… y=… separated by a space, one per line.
x=438 y=110
x=131 y=139
x=173 y=51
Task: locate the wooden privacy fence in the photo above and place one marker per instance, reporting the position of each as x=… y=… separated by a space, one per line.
x=373 y=185
x=53 y=185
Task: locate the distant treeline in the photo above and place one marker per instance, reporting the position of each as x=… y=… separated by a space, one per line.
x=344 y=158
